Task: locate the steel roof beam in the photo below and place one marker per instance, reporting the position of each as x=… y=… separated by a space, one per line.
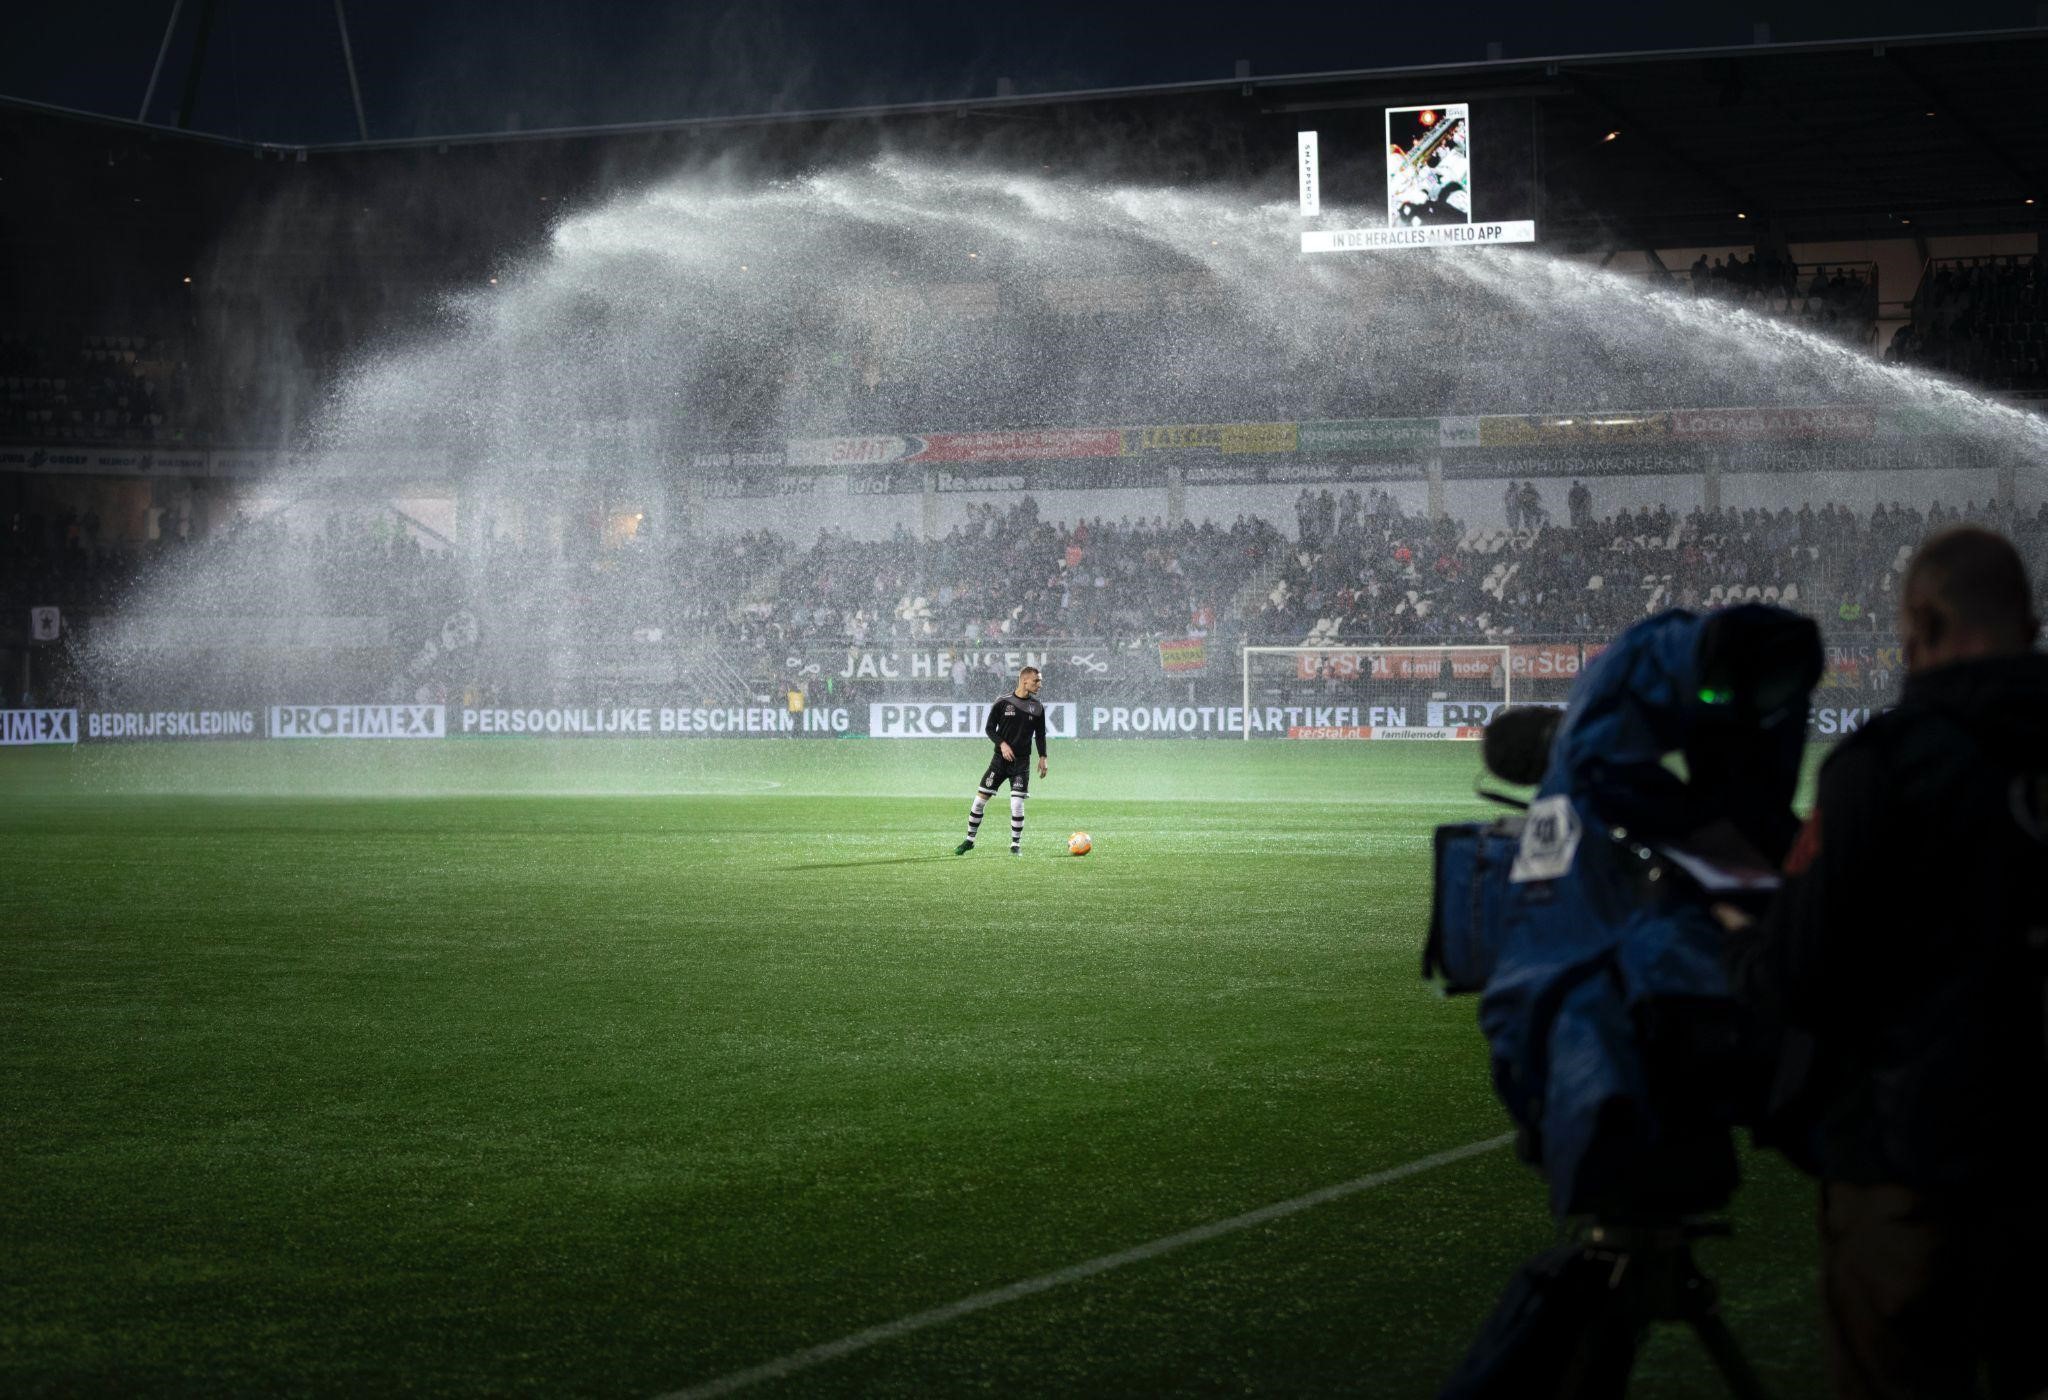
x=1627 y=123
x=1981 y=136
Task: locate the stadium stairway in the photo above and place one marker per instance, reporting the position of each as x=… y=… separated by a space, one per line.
x=766 y=588
x=1257 y=589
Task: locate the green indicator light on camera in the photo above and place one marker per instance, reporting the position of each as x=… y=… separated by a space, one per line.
x=1710 y=696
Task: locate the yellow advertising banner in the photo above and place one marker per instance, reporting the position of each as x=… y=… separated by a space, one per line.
x=1260 y=437
x=1215 y=437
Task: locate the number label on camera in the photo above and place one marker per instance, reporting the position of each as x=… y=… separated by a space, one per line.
x=1550 y=838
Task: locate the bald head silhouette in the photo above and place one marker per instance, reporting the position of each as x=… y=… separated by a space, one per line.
x=1965 y=598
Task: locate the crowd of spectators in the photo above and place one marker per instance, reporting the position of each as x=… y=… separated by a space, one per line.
x=675 y=586
x=1360 y=571
x=1008 y=574
x=96 y=388
x=1837 y=299
x=1983 y=319
x=355 y=565
x=369 y=564
x=1405 y=578
x=174 y=616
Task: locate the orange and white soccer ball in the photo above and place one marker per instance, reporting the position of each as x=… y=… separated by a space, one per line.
x=1080 y=844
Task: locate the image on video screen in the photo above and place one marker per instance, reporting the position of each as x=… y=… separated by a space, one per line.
x=1429 y=165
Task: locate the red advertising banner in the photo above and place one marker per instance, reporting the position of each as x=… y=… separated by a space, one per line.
x=1396 y=665
x=1474 y=666
x=1543 y=660
x=1772 y=424
x=1313 y=666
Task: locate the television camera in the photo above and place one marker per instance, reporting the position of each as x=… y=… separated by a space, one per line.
x=1585 y=924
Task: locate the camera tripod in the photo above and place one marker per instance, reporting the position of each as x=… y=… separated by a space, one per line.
x=1653 y=1278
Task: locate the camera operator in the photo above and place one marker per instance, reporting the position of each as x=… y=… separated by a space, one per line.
x=1900 y=965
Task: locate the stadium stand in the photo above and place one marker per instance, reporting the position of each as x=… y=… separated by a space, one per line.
x=149 y=305
x=1984 y=319
x=1009 y=575
x=91 y=388
x=1834 y=299
x=1375 y=575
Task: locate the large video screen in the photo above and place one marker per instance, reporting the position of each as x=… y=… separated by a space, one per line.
x=1429 y=165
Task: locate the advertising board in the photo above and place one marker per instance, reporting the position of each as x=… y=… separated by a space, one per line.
x=172 y=724
x=949 y=719
x=1836 y=721
x=936 y=663
x=24 y=727
x=653 y=721
x=358 y=721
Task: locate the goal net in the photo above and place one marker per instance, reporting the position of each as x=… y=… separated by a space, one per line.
x=1378 y=692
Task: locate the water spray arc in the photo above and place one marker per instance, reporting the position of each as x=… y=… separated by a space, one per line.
x=706 y=315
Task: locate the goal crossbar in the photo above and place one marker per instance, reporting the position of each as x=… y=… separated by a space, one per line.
x=1502 y=653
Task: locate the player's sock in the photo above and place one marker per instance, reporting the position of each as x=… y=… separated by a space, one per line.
x=1016 y=821
x=974 y=815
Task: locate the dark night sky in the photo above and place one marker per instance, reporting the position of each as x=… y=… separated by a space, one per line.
x=273 y=67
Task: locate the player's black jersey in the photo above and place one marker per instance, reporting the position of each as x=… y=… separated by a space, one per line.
x=1016 y=720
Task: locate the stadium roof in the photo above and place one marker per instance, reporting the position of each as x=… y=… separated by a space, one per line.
x=1884 y=137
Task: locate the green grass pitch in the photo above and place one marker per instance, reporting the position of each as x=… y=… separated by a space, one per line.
x=607 y=1068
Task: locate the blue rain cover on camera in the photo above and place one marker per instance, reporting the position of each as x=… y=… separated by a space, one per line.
x=1606 y=978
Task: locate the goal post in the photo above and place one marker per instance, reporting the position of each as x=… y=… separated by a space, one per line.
x=1373 y=692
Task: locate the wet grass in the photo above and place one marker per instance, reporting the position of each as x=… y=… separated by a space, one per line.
x=606 y=1068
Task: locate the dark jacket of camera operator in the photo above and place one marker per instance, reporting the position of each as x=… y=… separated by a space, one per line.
x=1885 y=951
x=1896 y=963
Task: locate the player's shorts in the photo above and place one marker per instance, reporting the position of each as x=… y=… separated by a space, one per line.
x=1017 y=775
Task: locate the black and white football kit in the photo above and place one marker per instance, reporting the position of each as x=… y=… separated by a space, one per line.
x=1015 y=720
x=1019 y=721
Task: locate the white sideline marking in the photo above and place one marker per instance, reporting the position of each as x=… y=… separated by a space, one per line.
x=977 y=1302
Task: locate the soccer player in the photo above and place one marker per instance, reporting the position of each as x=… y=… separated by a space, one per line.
x=1013 y=722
